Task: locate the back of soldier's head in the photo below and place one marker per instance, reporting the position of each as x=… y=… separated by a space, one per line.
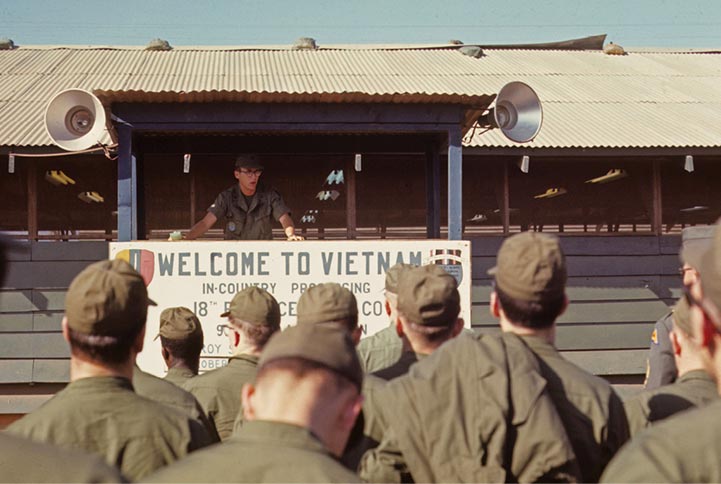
x=255 y=313
x=428 y=302
x=328 y=303
x=181 y=333
x=105 y=308
x=530 y=279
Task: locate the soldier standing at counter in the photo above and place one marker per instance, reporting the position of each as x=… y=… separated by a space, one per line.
x=253 y=317
x=245 y=209
x=181 y=341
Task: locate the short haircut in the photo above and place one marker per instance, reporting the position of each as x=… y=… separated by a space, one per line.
x=430 y=334
x=257 y=334
x=350 y=324
x=529 y=314
x=110 y=350
x=301 y=368
x=187 y=349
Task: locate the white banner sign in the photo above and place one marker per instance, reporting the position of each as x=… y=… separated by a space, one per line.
x=204 y=277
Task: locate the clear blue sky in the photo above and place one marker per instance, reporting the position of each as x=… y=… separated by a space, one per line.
x=631 y=23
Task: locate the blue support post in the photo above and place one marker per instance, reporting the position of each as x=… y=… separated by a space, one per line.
x=127 y=185
x=455 y=184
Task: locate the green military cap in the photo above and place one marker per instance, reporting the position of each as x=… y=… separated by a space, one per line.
x=256 y=306
x=694 y=242
x=329 y=346
x=710 y=271
x=428 y=295
x=326 y=302
x=107 y=298
x=248 y=161
x=681 y=316
x=393 y=274
x=531 y=267
x=179 y=323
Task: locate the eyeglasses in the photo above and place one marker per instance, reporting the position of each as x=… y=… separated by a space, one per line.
x=223 y=329
x=251 y=173
x=682 y=270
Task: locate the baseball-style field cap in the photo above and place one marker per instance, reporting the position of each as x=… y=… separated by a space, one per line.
x=330 y=346
x=249 y=162
x=710 y=271
x=681 y=316
x=256 y=306
x=326 y=302
x=694 y=242
x=531 y=267
x=179 y=324
x=428 y=295
x=393 y=274
x=107 y=298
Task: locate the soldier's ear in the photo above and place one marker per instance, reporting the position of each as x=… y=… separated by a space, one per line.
x=388 y=308
x=675 y=343
x=399 y=327
x=495 y=307
x=457 y=327
x=247 y=394
x=66 y=333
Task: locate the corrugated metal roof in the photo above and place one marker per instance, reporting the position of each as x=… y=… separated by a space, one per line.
x=643 y=99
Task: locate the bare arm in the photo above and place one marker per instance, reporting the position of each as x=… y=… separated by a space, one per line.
x=202 y=226
x=289 y=227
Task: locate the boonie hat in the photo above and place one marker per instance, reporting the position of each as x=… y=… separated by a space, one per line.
x=326 y=302
x=179 y=323
x=393 y=274
x=107 y=298
x=255 y=306
x=694 y=242
x=248 y=161
x=681 y=316
x=428 y=296
x=330 y=346
x=710 y=271
x=531 y=267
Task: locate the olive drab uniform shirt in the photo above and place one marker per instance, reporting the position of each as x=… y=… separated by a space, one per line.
x=380 y=350
x=684 y=448
x=248 y=219
x=590 y=409
x=218 y=391
x=661 y=367
x=178 y=376
x=476 y=410
x=24 y=461
x=103 y=415
x=162 y=391
x=262 y=451
x=693 y=389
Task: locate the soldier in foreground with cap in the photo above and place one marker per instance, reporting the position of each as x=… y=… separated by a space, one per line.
x=253 y=317
x=693 y=388
x=105 y=310
x=330 y=304
x=245 y=208
x=529 y=294
x=384 y=348
x=298 y=415
x=685 y=447
x=181 y=341
x=661 y=366
x=24 y=461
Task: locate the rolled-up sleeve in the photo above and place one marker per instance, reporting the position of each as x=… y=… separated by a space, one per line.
x=219 y=206
x=278 y=205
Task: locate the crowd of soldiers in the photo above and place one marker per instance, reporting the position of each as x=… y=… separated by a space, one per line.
x=423 y=400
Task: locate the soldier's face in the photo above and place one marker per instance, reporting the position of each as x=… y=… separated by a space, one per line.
x=248 y=179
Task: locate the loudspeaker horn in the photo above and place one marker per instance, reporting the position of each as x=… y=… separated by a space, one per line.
x=75 y=120
x=517 y=112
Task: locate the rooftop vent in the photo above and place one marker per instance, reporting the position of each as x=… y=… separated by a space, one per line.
x=6 y=44
x=613 y=49
x=305 y=43
x=471 y=51
x=158 y=44
x=455 y=42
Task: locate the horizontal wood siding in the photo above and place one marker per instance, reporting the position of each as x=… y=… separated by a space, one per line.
x=618 y=287
x=32 y=348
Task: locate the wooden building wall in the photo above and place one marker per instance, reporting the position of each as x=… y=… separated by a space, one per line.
x=618 y=287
